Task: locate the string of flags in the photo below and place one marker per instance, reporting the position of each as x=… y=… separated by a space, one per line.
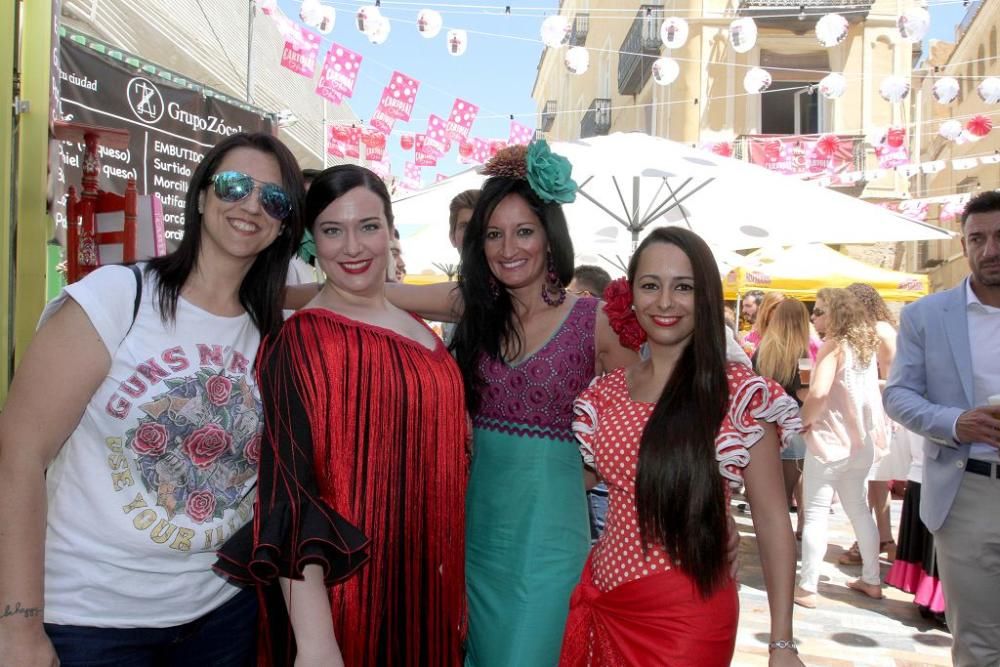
x=825 y=159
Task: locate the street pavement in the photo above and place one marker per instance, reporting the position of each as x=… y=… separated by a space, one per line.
x=846 y=628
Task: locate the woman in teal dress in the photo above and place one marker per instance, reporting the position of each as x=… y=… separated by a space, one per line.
x=525 y=349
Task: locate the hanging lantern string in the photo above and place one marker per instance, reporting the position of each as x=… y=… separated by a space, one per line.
x=602 y=13
x=343 y=4
x=492 y=114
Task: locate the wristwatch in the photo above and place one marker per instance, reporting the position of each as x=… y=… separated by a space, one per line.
x=783 y=643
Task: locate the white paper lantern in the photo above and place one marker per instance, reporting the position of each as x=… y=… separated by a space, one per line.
x=946 y=89
x=366 y=17
x=429 y=23
x=913 y=24
x=577 y=60
x=875 y=136
x=674 y=32
x=894 y=88
x=458 y=42
x=989 y=90
x=831 y=30
x=951 y=129
x=757 y=80
x=327 y=20
x=555 y=31
x=743 y=34
x=379 y=31
x=832 y=86
x=311 y=12
x=665 y=71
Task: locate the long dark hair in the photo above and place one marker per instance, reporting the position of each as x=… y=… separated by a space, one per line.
x=262 y=289
x=679 y=492
x=334 y=182
x=488 y=322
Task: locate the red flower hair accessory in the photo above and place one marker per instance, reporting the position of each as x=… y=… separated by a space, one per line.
x=618 y=308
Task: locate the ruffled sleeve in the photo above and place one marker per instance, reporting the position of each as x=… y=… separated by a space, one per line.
x=585 y=421
x=293 y=526
x=751 y=399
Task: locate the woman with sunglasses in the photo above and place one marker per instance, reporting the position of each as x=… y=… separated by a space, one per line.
x=130 y=438
x=364 y=416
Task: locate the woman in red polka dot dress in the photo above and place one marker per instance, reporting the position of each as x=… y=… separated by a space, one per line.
x=670 y=436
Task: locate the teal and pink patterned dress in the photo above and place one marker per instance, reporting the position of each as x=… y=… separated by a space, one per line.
x=527 y=532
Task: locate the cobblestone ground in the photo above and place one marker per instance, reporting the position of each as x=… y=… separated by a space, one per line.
x=846 y=628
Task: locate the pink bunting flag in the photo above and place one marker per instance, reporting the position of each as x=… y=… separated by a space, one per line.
x=382 y=121
x=436 y=142
x=353 y=139
x=399 y=96
x=339 y=74
x=423 y=158
x=382 y=168
x=463 y=114
x=439 y=177
x=334 y=146
x=480 y=151
x=301 y=51
x=411 y=176
x=267 y=7
x=374 y=142
x=520 y=134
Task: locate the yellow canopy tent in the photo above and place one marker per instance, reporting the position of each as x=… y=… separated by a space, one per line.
x=800 y=271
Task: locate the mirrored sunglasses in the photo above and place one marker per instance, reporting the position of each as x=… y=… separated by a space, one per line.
x=234 y=186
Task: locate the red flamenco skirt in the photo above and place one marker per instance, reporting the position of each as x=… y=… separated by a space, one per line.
x=660 y=619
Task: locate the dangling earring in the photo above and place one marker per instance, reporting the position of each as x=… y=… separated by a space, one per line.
x=552 y=285
x=494 y=286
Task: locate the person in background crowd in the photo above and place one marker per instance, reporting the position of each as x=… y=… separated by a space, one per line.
x=300 y=268
x=397 y=267
x=762 y=318
x=459 y=213
x=845 y=434
x=130 y=438
x=670 y=435
x=729 y=314
x=784 y=344
x=526 y=349
x=915 y=570
x=896 y=464
x=945 y=385
x=364 y=424
x=588 y=281
x=748 y=308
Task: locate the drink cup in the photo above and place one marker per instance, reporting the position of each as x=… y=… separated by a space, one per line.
x=994 y=399
x=805 y=370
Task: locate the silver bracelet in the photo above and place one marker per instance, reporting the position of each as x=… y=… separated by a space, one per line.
x=783 y=643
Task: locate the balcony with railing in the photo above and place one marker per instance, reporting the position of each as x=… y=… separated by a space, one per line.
x=597 y=119
x=640 y=47
x=581 y=26
x=548 y=116
x=810 y=156
x=800 y=16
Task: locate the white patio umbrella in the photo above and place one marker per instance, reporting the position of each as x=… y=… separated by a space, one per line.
x=629 y=183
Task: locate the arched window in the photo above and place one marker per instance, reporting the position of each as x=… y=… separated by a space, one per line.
x=981 y=65
x=993 y=45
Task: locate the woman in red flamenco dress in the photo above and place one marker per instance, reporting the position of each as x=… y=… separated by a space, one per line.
x=656 y=589
x=357 y=545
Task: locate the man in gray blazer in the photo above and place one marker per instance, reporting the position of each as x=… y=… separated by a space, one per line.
x=947 y=368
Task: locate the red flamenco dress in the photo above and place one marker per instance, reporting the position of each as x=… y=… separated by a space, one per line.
x=363 y=470
x=632 y=608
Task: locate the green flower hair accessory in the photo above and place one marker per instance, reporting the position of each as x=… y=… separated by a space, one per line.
x=548 y=174
x=307 y=249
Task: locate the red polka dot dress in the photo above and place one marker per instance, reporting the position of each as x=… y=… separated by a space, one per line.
x=614 y=621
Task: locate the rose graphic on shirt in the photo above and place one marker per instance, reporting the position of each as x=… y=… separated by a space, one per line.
x=150 y=440
x=200 y=506
x=218 y=387
x=198 y=444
